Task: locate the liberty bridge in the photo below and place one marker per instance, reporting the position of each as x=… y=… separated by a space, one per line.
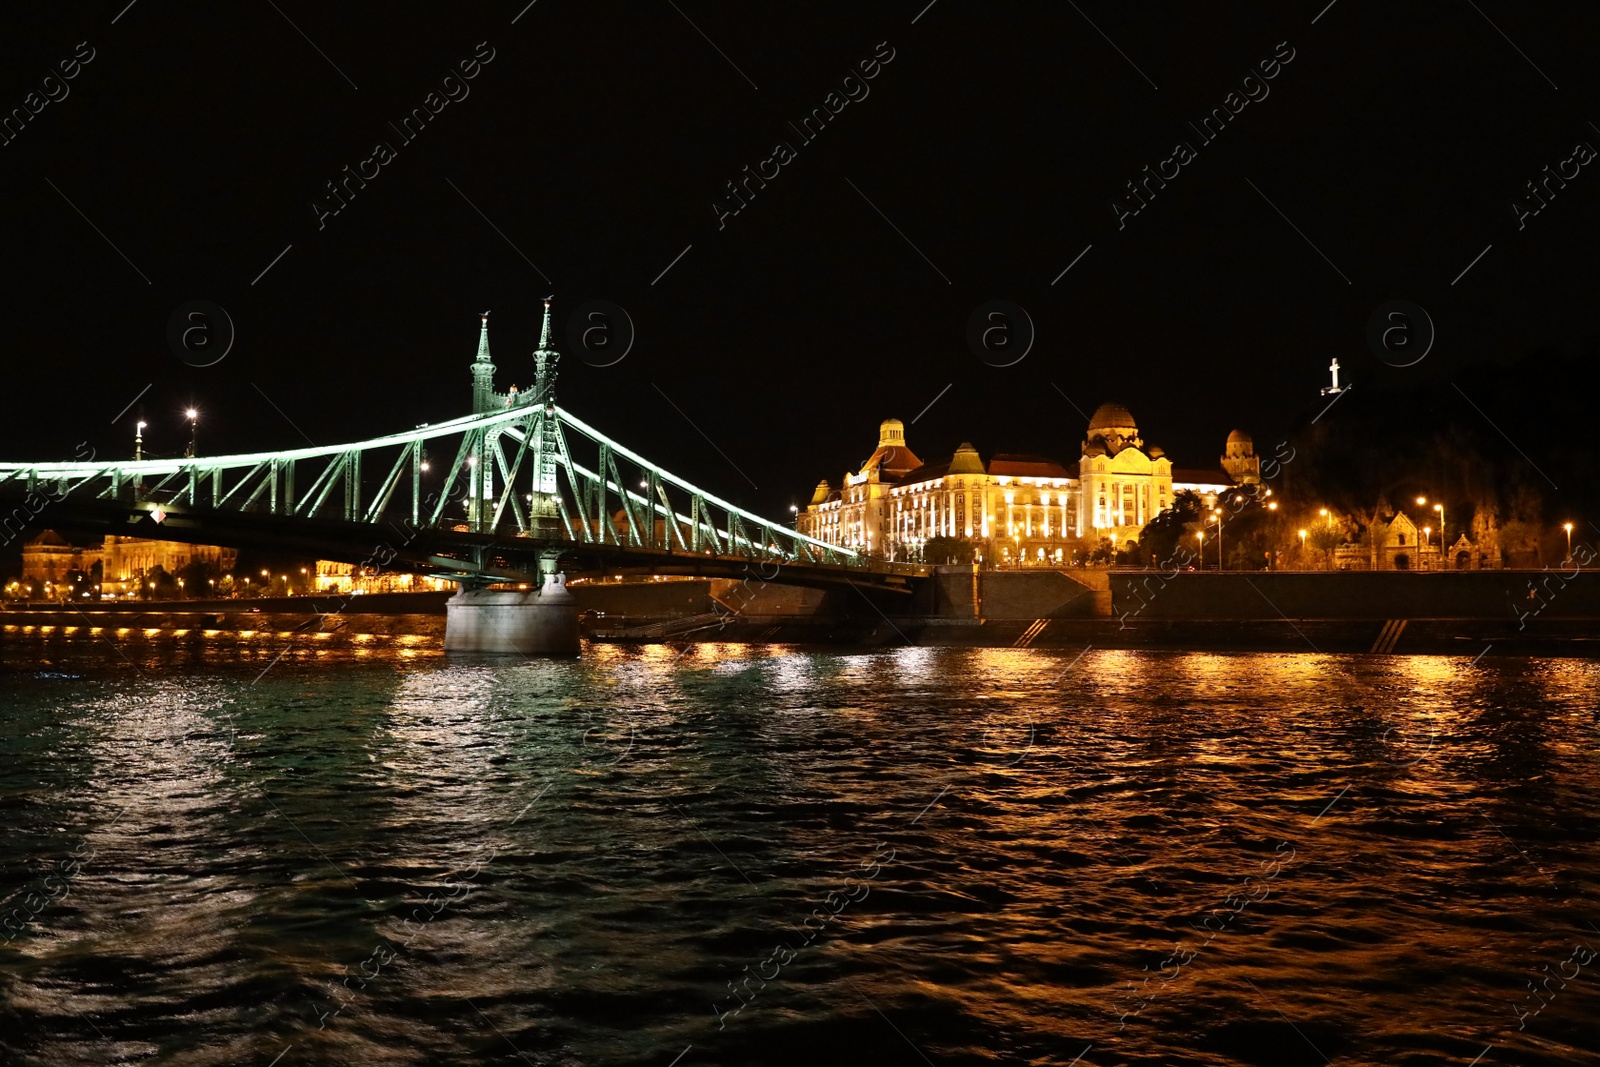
x=533 y=493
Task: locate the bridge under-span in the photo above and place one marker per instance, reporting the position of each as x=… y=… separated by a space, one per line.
x=521 y=491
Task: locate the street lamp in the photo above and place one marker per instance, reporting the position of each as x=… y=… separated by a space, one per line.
x=194 y=429
x=1567 y=526
x=1216 y=513
x=138 y=441
x=1200 y=540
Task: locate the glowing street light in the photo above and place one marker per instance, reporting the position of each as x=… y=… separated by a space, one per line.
x=1567 y=526
x=194 y=420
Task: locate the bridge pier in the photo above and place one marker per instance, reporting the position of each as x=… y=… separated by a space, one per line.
x=542 y=622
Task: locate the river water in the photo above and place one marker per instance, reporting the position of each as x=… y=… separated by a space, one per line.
x=769 y=855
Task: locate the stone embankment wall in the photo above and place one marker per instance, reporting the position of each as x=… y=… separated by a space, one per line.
x=1361 y=595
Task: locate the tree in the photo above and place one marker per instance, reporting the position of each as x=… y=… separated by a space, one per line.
x=1327 y=538
x=197 y=577
x=81 y=585
x=947 y=550
x=157 y=584
x=1163 y=534
x=1245 y=556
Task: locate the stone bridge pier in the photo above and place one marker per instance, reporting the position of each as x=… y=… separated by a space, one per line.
x=537 y=622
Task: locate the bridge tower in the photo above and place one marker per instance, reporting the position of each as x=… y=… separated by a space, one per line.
x=484 y=400
x=542 y=621
x=483 y=373
x=546 y=449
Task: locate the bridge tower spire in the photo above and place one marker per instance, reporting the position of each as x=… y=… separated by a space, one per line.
x=483 y=373
x=545 y=359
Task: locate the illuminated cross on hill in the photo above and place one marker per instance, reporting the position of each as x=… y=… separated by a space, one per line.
x=1335 y=389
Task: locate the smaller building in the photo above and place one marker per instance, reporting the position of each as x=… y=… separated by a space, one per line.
x=1403 y=547
x=50 y=561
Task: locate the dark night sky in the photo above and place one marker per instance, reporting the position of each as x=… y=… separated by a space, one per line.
x=600 y=134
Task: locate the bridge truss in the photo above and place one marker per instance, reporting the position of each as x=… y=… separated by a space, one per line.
x=477 y=496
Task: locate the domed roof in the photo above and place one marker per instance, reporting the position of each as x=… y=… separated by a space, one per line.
x=1109 y=416
x=965 y=460
x=1239 y=437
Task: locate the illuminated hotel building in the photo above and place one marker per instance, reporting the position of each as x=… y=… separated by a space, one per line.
x=1015 y=508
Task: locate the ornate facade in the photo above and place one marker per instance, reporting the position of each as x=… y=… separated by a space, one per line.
x=123 y=561
x=352 y=579
x=126 y=560
x=1014 y=508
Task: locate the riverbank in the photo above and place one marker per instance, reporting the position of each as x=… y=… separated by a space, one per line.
x=1515 y=613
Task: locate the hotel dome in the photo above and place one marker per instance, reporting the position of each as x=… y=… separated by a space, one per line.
x=1112 y=416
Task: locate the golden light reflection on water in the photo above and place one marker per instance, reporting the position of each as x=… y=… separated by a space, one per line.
x=1060 y=823
x=156 y=771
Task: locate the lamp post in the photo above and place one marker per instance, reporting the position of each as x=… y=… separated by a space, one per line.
x=194 y=430
x=1272 y=507
x=1200 y=539
x=1216 y=513
x=1567 y=526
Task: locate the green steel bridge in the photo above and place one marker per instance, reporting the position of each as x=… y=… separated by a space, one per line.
x=531 y=490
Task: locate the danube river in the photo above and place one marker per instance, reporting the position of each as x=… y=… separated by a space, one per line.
x=755 y=855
